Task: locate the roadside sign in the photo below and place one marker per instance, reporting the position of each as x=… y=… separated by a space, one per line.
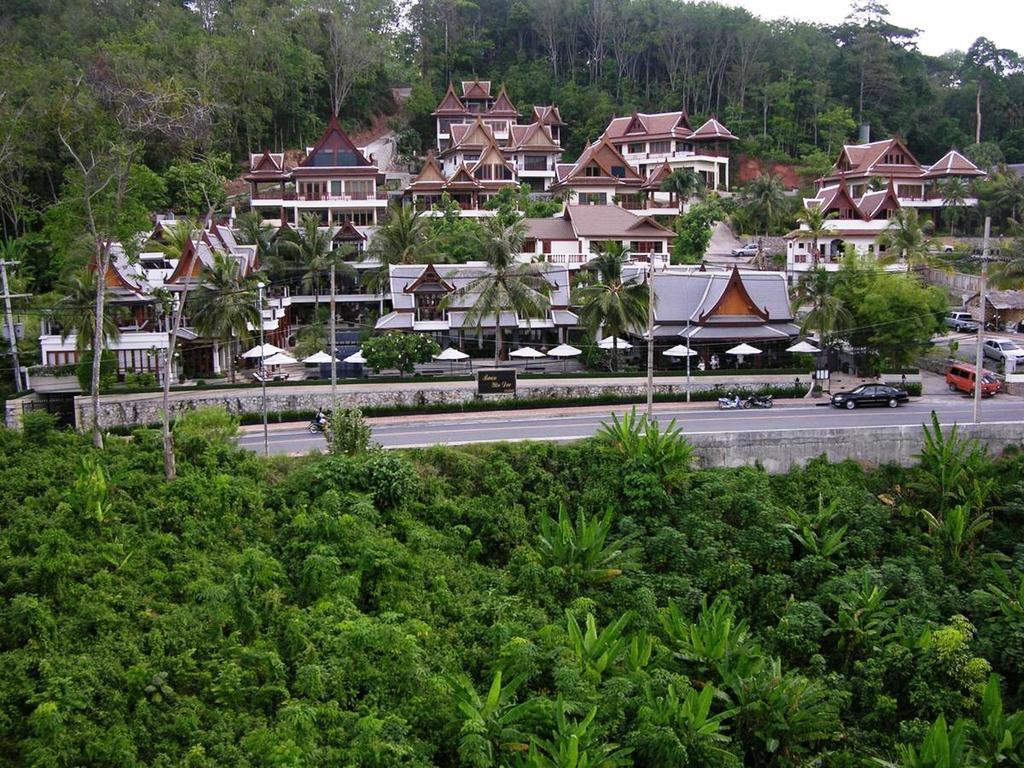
x=496 y=381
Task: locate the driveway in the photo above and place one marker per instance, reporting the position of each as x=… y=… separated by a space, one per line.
x=723 y=241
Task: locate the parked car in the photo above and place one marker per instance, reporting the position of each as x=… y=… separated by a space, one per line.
x=870 y=394
x=962 y=322
x=750 y=249
x=1006 y=351
x=960 y=378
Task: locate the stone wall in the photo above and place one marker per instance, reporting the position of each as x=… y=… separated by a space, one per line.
x=871 y=446
x=138 y=410
x=958 y=283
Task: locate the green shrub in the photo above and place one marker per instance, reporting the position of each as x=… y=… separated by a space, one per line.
x=142 y=380
x=38 y=425
x=197 y=431
x=108 y=370
x=348 y=432
x=390 y=479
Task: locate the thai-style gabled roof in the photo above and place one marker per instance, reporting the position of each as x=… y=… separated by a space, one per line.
x=347 y=233
x=611 y=222
x=462 y=177
x=547 y=115
x=428 y=277
x=476 y=89
x=450 y=104
x=712 y=130
x=493 y=155
x=475 y=135
x=860 y=160
x=334 y=150
x=735 y=302
x=602 y=154
x=430 y=177
x=874 y=203
x=535 y=137
x=266 y=162
x=189 y=263
x=503 y=106
x=657 y=176
x=664 y=125
x=837 y=199
x=953 y=164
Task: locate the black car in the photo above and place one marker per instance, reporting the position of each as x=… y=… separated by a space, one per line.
x=870 y=394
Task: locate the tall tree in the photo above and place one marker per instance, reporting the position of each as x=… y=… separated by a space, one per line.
x=907 y=238
x=76 y=312
x=613 y=304
x=310 y=248
x=764 y=199
x=815 y=221
x=506 y=285
x=682 y=184
x=984 y=64
x=225 y=304
x=954 y=197
x=826 y=313
x=404 y=238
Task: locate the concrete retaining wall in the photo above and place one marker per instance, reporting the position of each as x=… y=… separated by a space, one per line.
x=779 y=451
x=138 y=410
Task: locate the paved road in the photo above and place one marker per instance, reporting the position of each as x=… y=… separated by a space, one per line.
x=567 y=425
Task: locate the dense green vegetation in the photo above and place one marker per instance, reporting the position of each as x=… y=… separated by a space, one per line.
x=504 y=605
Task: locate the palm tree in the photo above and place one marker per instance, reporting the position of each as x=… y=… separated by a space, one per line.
x=907 y=238
x=311 y=247
x=253 y=230
x=682 y=184
x=814 y=219
x=765 y=199
x=507 y=285
x=827 y=313
x=405 y=238
x=225 y=304
x=954 y=196
x=612 y=303
x=76 y=312
x=1008 y=191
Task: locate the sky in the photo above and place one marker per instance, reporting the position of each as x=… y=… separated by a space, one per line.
x=944 y=25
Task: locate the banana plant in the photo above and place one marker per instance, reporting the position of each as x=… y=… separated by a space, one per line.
x=713 y=642
x=815 y=532
x=596 y=652
x=582 y=551
x=1009 y=597
x=942 y=747
x=997 y=738
x=956 y=529
x=689 y=719
x=864 y=618
x=574 y=744
x=493 y=724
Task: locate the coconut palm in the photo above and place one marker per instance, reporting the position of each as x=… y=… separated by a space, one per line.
x=907 y=238
x=765 y=199
x=224 y=304
x=612 y=303
x=253 y=230
x=682 y=184
x=954 y=197
x=404 y=238
x=507 y=285
x=310 y=245
x=827 y=313
x=814 y=219
x=76 y=312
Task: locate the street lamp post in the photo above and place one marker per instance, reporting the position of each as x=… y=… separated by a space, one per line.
x=689 y=351
x=650 y=338
x=263 y=372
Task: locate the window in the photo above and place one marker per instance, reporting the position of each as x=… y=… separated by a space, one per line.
x=619 y=171
x=427 y=306
x=661 y=147
x=360 y=190
x=535 y=163
x=546 y=246
x=684 y=146
x=471 y=157
x=336 y=187
x=636 y=149
x=801 y=246
x=356 y=218
x=529 y=245
x=592 y=171
x=444 y=125
x=593 y=198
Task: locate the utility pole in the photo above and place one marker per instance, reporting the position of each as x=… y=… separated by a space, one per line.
x=263 y=373
x=650 y=338
x=689 y=354
x=978 y=352
x=333 y=346
x=9 y=320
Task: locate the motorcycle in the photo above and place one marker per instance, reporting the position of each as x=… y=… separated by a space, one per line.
x=317 y=425
x=729 y=402
x=758 y=401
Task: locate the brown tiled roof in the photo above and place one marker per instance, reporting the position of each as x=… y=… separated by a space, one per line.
x=555 y=228
x=712 y=130
x=612 y=222
x=450 y=104
x=476 y=89
x=430 y=176
x=953 y=164
x=503 y=106
x=475 y=135
x=333 y=140
x=603 y=154
x=833 y=199
x=533 y=136
x=657 y=176
x=873 y=202
x=547 y=115
x=462 y=177
x=867 y=160
x=661 y=124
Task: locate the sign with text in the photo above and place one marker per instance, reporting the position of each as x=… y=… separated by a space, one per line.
x=496 y=381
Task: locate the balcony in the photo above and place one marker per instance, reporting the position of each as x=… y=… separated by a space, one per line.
x=290 y=194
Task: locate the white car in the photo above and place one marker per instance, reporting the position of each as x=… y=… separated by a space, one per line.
x=750 y=249
x=1004 y=350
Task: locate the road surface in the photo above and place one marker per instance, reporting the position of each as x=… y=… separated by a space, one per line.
x=567 y=424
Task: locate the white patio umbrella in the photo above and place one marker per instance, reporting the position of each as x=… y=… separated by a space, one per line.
x=743 y=349
x=262 y=350
x=803 y=346
x=679 y=350
x=564 y=351
x=318 y=357
x=609 y=342
x=279 y=358
x=740 y=350
x=355 y=358
x=451 y=355
x=526 y=352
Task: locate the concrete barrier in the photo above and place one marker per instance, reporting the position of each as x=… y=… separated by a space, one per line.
x=780 y=450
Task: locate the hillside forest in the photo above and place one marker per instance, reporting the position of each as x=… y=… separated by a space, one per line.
x=531 y=605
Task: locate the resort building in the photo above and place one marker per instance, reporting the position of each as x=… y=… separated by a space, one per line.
x=417 y=291
x=334 y=181
x=580 y=232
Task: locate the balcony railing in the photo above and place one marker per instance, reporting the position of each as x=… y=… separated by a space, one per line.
x=289 y=194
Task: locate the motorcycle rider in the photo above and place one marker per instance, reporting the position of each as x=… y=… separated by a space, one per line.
x=320 y=419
